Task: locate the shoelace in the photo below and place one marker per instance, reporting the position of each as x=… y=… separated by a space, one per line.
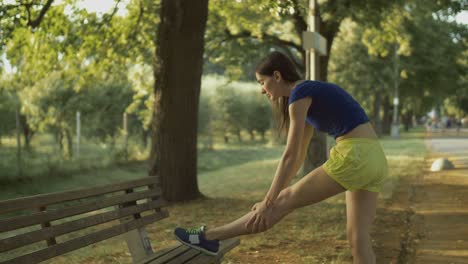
x=194 y=231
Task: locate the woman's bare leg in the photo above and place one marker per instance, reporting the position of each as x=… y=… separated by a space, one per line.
x=360 y=213
x=312 y=188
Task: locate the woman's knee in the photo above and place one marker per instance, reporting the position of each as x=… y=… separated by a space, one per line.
x=278 y=211
x=283 y=202
x=280 y=208
x=286 y=193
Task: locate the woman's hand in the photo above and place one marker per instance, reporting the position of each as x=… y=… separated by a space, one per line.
x=260 y=219
x=255 y=206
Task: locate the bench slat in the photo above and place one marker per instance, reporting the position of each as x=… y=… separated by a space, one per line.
x=155 y=255
x=86 y=240
x=185 y=257
x=169 y=256
x=203 y=259
x=71 y=226
x=179 y=254
x=37 y=201
x=227 y=245
x=40 y=217
x=224 y=247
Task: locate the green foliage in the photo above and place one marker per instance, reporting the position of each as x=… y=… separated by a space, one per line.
x=239 y=33
x=258 y=111
x=355 y=69
x=103 y=109
x=431 y=64
x=49 y=102
x=390 y=34
x=230 y=108
x=74 y=60
x=8 y=104
x=434 y=70
x=205 y=114
x=142 y=106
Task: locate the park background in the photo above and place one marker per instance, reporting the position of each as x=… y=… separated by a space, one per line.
x=67 y=66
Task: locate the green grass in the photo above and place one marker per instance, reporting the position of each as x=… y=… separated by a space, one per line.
x=45 y=159
x=405 y=158
x=234 y=177
x=235 y=155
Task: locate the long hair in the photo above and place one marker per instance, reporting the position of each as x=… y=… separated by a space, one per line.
x=277 y=61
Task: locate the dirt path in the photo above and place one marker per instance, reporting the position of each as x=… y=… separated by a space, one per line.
x=426 y=221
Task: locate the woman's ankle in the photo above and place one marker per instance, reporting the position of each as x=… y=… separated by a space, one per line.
x=209 y=234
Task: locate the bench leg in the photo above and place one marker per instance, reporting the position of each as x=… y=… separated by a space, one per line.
x=138 y=244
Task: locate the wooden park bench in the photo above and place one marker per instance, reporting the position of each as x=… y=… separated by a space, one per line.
x=32 y=228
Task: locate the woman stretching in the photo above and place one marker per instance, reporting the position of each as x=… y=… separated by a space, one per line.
x=357 y=163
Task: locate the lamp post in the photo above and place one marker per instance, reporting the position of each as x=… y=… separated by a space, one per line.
x=395 y=125
x=78 y=134
x=315 y=45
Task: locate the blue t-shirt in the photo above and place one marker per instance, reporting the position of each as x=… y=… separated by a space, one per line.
x=333 y=110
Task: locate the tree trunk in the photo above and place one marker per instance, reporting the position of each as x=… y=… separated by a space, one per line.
x=144 y=138
x=112 y=143
x=27 y=133
x=18 y=143
x=317 y=152
x=239 y=137
x=69 y=143
x=177 y=72
x=386 y=120
x=252 y=135
x=376 y=113
x=407 y=120
x=60 y=141
x=210 y=140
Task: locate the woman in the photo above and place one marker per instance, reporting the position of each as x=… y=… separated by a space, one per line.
x=356 y=165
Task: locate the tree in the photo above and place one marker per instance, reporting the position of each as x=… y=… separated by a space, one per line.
x=7 y=111
x=434 y=72
x=427 y=73
x=205 y=117
x=21 y=15
x=258 y=114
x=177 y=71
x=365 y=76
x=258 y=26
x=363 y=60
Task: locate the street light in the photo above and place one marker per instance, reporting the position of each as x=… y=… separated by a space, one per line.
x=395 y=126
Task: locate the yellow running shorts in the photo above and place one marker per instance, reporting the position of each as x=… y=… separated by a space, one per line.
x=357 y=164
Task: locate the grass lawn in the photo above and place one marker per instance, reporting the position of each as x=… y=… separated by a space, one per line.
x=234 y=178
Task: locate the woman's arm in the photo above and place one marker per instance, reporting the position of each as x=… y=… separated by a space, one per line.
x=308 y=134
x=288 y=167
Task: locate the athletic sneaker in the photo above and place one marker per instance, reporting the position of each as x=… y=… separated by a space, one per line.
x=195 y=238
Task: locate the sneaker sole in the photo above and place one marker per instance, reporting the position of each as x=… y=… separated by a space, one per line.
x=197 y=247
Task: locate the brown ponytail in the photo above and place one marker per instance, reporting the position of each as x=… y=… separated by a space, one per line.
x=277 y=61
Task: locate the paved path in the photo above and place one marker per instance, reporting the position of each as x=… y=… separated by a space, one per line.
x=439 y=202
x=426 y=221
